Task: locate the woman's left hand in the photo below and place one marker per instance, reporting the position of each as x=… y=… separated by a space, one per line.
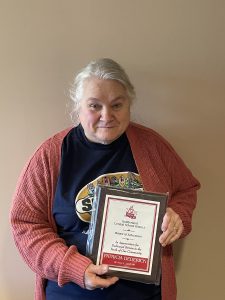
x=172 y=227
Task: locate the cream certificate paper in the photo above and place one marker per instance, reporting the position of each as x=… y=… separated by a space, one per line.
x=128 y=231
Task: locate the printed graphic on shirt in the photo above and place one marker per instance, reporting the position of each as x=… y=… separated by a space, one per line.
x=84 y=198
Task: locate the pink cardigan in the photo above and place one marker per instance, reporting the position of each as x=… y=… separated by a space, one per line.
x=34 y=229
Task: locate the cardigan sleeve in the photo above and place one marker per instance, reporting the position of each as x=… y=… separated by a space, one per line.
x=38 y=243
x=182 y=184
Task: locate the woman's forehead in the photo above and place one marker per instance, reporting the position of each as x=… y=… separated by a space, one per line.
x=100 y=88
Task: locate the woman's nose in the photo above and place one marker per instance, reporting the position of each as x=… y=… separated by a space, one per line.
x=106 y=114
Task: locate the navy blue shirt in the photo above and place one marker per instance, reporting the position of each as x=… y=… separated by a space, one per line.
x=82 y=165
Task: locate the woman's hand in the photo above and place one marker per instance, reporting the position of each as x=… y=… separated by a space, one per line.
x=92 y=279
x=172 y=227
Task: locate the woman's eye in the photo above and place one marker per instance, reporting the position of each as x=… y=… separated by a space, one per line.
x=94 y=106
x=117 y=105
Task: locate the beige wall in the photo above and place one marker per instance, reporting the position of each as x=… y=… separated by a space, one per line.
x=174 y=52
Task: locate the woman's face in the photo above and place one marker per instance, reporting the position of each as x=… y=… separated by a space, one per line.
x=104 y=111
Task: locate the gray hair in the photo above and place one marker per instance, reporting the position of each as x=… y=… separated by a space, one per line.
x=104 y=68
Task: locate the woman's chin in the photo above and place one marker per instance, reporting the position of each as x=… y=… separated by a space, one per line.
x=107 y=139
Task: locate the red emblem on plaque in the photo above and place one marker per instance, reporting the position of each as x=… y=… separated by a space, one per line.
x=131 y=213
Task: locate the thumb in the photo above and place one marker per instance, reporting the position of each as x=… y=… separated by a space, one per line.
x=165 y=222
x=100 y=269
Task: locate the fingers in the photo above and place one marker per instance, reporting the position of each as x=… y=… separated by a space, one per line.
x=93 y=280
x=172 y=227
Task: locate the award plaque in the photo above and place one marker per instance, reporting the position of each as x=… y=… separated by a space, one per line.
x=124 y=232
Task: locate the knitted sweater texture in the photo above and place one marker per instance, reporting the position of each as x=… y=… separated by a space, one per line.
x=34 y=228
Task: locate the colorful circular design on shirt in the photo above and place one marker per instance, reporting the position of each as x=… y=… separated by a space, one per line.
x=84 y=198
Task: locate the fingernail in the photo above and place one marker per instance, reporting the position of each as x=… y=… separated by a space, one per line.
x=105 y=269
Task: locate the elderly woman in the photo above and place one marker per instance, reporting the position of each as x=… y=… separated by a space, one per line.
x=48 y=220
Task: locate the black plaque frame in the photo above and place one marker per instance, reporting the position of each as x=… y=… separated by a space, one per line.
x=96 y=225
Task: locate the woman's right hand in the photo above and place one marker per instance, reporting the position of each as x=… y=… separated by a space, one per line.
x=92 y=279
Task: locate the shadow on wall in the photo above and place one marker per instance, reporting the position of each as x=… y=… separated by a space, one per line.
x=178 y=248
